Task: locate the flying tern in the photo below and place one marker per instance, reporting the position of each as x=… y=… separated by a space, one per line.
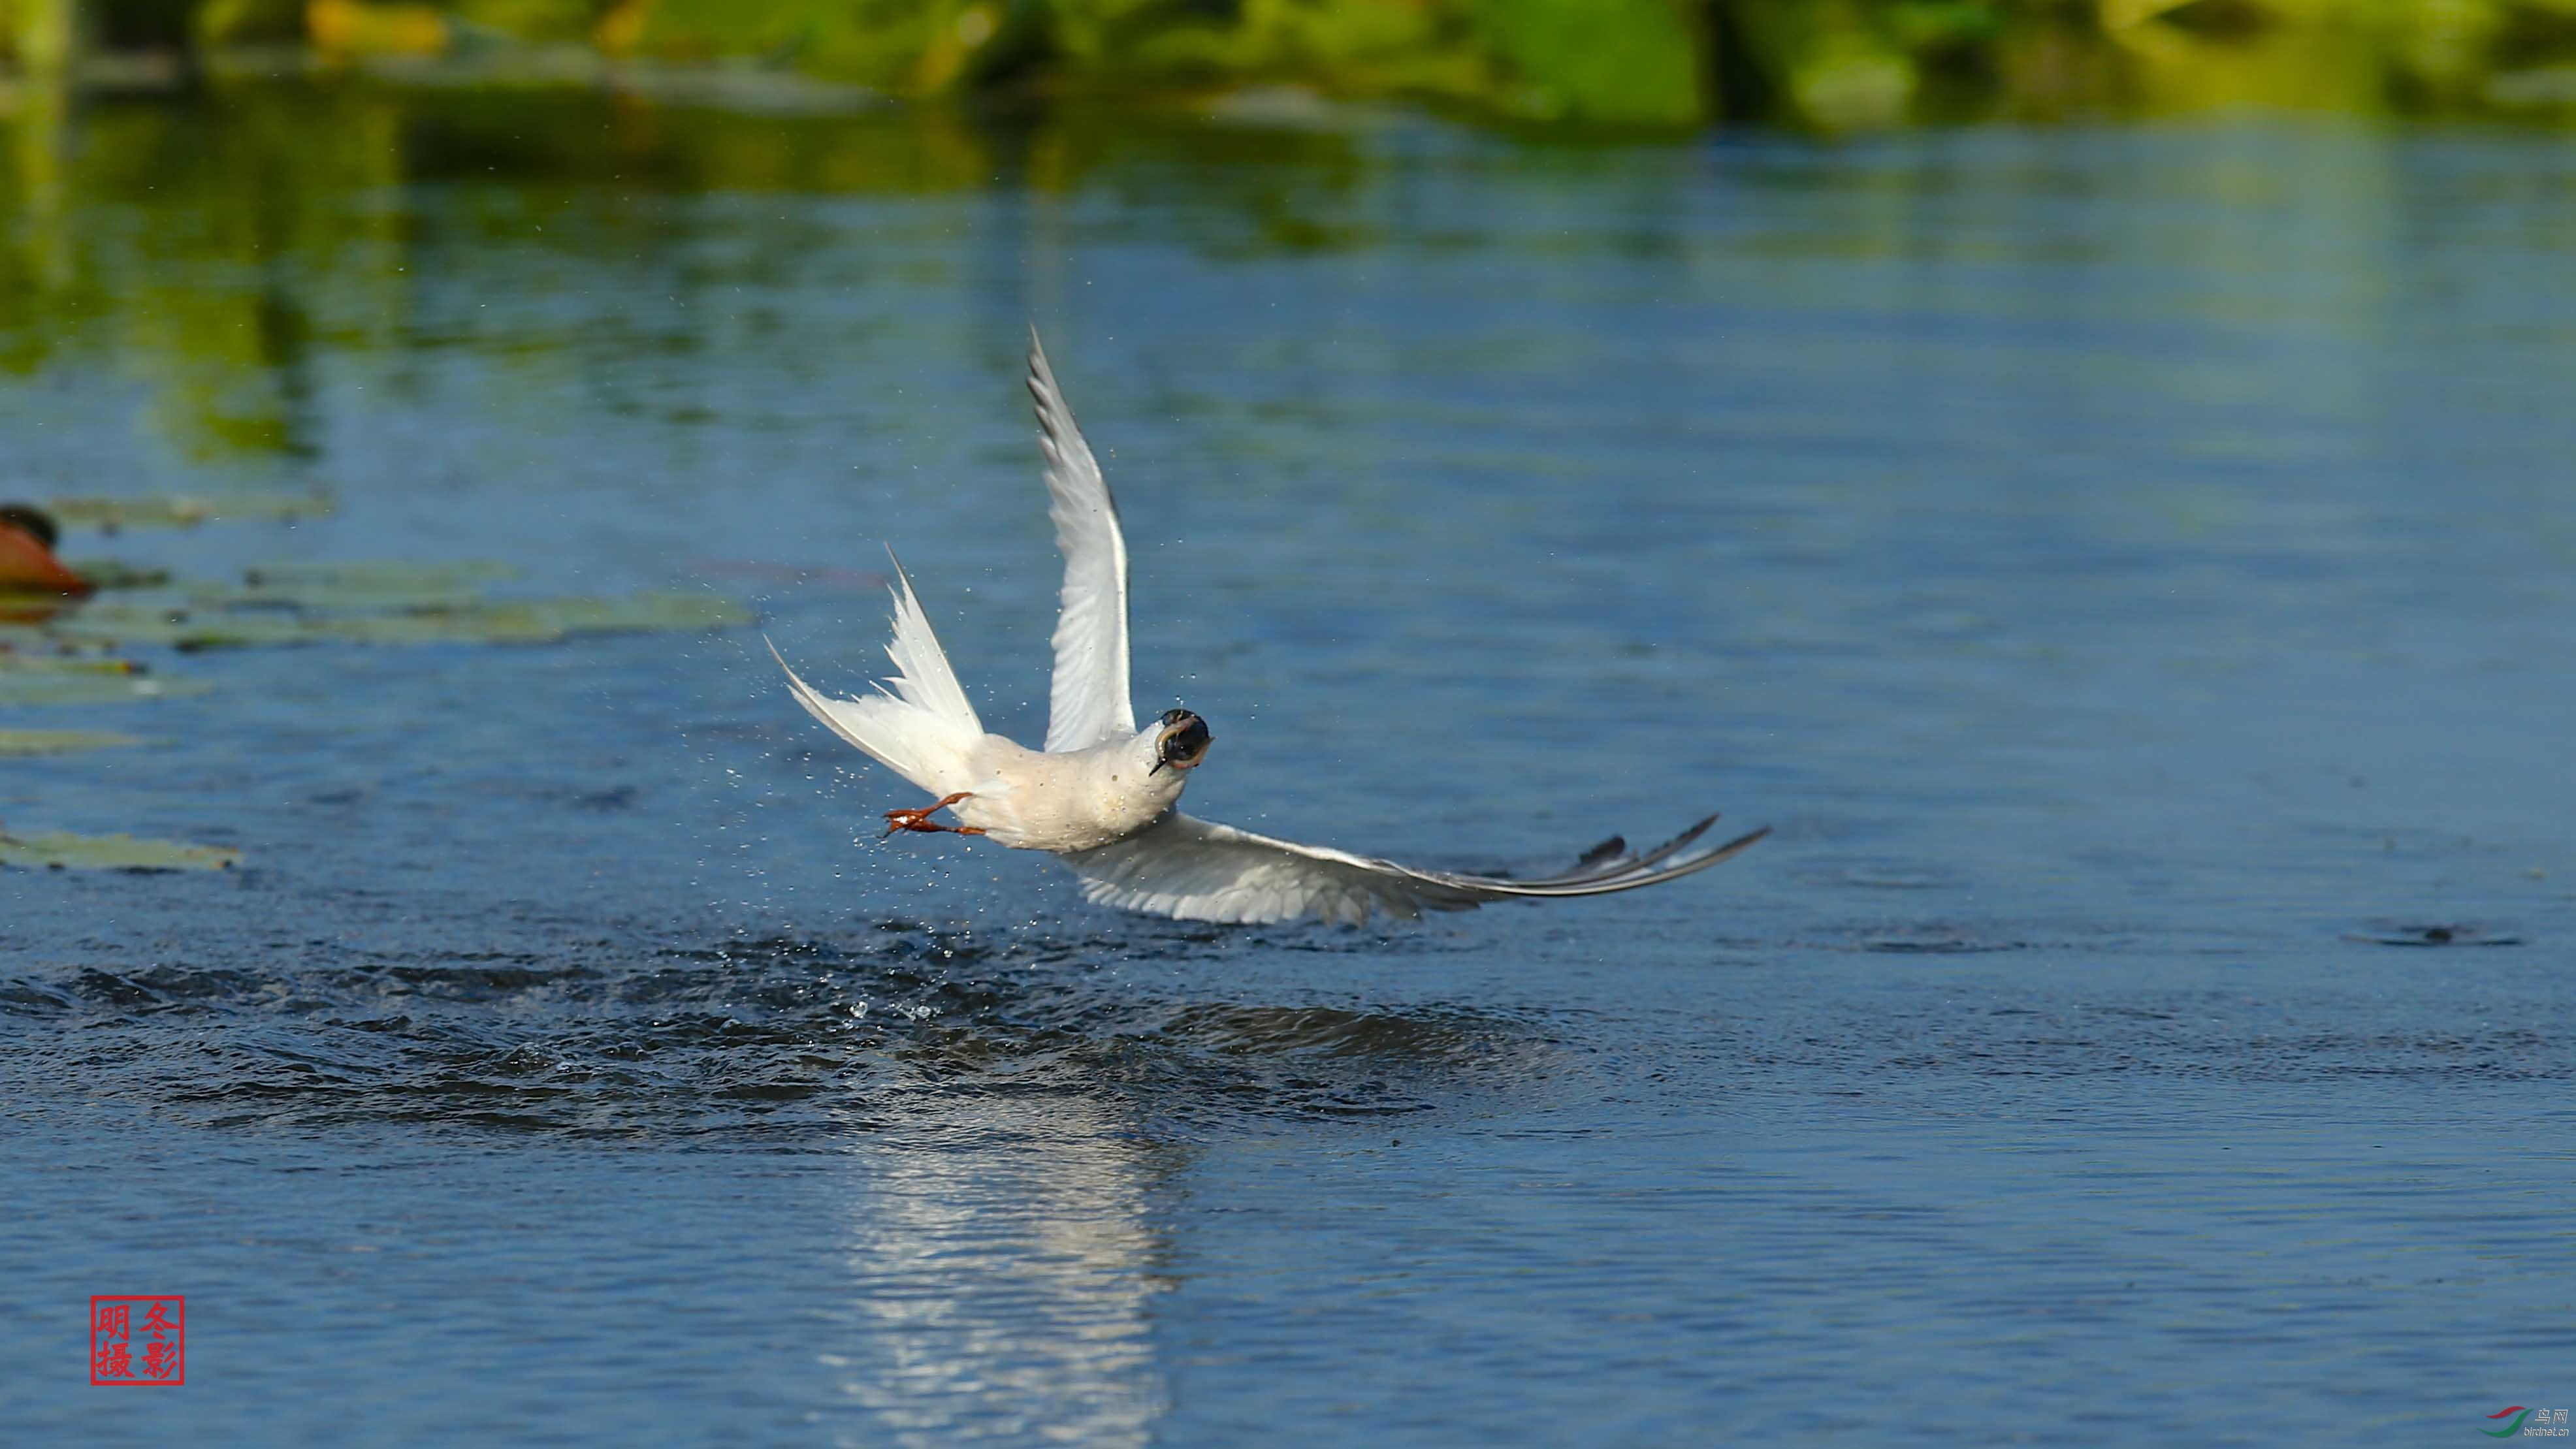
x=1103 y=796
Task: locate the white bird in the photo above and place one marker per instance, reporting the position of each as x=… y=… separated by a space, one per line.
x=1103 y=795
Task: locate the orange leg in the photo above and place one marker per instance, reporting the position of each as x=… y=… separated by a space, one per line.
x=918 y=818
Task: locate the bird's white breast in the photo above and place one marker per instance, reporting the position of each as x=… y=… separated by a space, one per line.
x=1079 y=800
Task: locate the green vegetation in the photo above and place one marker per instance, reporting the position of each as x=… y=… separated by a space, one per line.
x=50 y=680
x=114 y=515
x=50 y=648
x=1644 y=65
x=22 y=743
x=59 y=850
x=366 y=603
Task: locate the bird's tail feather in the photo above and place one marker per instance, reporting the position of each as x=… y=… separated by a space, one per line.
x=922 y=728
x=922 y=675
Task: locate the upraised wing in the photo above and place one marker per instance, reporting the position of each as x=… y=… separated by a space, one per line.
x=1089 y=702
x=1197 y=870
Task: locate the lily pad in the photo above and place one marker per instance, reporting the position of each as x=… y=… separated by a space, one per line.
x=64 y=851
x=114 y=514
x=367 y=585
x=40 y=680
x=363 y=603
x=247 y=620
x=111 y=573
x=60 y=742
x=651 y=613
x=22 y=608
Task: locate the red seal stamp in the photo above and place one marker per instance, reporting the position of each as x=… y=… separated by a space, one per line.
x=138 y=1342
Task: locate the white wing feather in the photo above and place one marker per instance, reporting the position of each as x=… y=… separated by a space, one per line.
x=1089 y=702
x=1197 y=870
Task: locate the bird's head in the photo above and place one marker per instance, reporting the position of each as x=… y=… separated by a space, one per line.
x=1181 y=741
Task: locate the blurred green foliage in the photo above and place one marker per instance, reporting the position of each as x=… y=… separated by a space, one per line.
x=215 y=245
x=189 y=233
x=1632 y=64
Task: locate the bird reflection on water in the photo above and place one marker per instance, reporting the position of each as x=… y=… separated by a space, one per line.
x=1002 y=1266
x=1005 y=1240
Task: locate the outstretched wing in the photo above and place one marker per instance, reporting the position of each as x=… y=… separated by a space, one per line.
x=1201 y=871
x=1089 y=702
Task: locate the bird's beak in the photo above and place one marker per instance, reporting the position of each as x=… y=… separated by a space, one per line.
x=1159 y=763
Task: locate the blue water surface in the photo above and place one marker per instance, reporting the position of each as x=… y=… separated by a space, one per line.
x=2132 y=570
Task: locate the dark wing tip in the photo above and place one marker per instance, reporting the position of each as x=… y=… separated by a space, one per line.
x=1599 y=853
x=1663 y=863
x=1041 y=376
x=1668 y=861
x=1043 y=393
x=1734 y=847
x=1674 y=846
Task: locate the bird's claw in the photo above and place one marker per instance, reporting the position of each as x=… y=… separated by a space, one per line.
x=918 y=818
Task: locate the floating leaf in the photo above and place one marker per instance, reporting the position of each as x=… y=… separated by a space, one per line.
x=60 y=742
x=667 y=612
x=24 y=608
x=62 y=851
x=25 y=680
x=366 y=585
x=112 y=514
x=109 y=573
x=362 y=603
x=243 y=621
